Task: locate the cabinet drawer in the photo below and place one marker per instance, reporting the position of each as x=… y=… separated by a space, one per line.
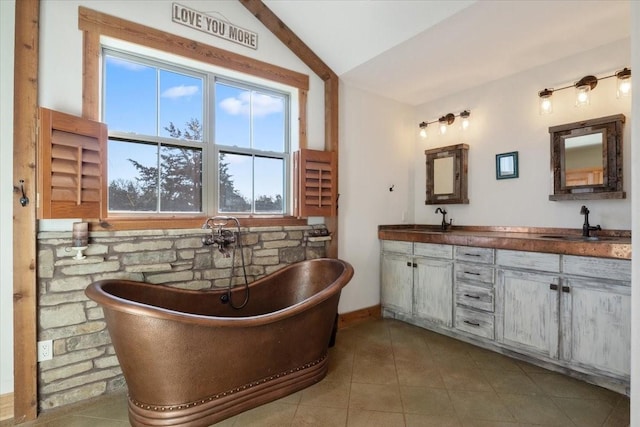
x=474 y=296
x=474 y=322
x=433 y=250
x=529 y=260
x=473 y=254
x=475 y=272
x=603 y=268
x=397 y=247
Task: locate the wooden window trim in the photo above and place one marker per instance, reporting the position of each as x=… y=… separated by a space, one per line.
x=173 y=222
x=102 y=24
x=95 y=24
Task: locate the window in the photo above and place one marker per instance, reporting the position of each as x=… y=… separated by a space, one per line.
x=189 y=141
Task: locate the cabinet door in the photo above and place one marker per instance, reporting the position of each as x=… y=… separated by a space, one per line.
x=397 y=282
x=527 y=312
x=597 y=325
x=433 y=290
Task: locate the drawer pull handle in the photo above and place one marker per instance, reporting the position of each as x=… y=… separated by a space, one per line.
x=408 y=263
x=468 y=254
x=566 y=289
x=472 y=272
x=415 y=265
x=472 y=296
x=553 y=287
x=468 y=322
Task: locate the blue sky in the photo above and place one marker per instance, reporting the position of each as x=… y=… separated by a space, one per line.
x=141 y=99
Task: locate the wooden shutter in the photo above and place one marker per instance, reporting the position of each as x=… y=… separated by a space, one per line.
x=71 y=173
x=315 y=183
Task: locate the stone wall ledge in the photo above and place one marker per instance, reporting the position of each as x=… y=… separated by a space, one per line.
x=72 y=261
x=149 y=268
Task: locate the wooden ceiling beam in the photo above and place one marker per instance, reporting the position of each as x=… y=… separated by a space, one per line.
x=289 y=38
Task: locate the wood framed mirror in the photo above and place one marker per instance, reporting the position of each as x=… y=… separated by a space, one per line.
x=586 y=159
x=447 y=169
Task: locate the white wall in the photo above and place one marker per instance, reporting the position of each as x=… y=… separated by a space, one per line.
x=376 y=138
x=505 y=118
x=59 y=27
x=7 y=13
x=635 y=276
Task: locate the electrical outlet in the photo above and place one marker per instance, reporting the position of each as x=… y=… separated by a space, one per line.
x=45 y=350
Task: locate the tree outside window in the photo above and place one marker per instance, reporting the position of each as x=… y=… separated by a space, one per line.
x=162 y=145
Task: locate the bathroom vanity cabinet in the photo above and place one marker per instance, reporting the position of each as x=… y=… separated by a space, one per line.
x=564 y=312
x=595 y=306
x=417 y=280
x=474 y=293
x=527 y=300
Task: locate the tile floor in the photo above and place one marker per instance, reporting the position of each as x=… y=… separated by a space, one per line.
x=387 y=373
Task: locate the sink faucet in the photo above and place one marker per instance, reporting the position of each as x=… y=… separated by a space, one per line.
x=444 y=224
x=586 y=228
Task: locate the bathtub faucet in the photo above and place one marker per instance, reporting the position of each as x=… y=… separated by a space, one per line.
x=224 y=237
x=220 y=236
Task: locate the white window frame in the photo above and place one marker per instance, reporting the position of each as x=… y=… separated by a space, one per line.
x=210 y=150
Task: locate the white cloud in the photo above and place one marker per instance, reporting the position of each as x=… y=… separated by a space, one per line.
x=179 y=91
x=263 y=105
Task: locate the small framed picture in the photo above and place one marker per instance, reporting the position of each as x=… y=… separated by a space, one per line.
x=507 y=165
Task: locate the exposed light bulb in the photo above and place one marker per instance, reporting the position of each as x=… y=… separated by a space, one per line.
x=443 y=128
x=465 y=119
x=546 y=105
x=583 y=90
x=583 y=96
x=624 y=83
x=423 y=129
x=624 y=89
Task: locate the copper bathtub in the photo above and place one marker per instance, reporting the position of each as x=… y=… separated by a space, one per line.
x=190 y=360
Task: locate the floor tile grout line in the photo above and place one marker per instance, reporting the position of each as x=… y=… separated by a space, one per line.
x=550 y=397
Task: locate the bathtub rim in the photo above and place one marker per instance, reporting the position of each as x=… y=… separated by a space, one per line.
x=96 y=293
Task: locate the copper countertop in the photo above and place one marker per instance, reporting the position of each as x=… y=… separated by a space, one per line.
x=609 y=243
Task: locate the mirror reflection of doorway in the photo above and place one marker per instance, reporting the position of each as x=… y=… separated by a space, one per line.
x=583 y=159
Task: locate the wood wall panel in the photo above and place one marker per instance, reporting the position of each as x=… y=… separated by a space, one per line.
x=25 y=118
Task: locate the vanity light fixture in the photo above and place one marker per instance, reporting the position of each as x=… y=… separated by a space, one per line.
x=546 y=106
x=583 y=88
x=465 y=119
x=624 y=82
x=445 y=121
x=423 y=129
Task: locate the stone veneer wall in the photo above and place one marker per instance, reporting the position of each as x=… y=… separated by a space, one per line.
x=84 y=364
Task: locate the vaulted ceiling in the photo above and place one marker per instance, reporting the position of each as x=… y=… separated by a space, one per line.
x=416 y=51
